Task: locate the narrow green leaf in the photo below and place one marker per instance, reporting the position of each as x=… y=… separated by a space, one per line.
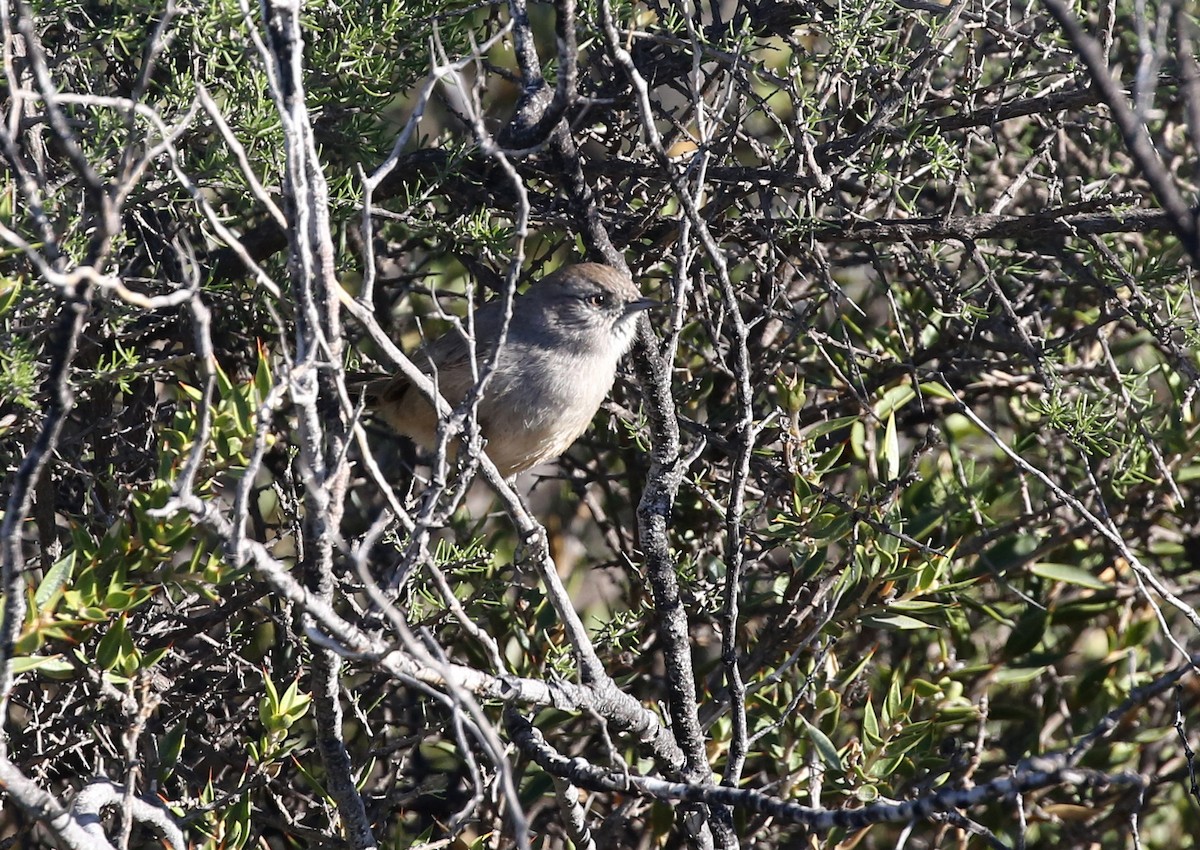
x=224 y=385
x=858 y=440
x=825 y=747
x=893 y=704
x=894 y=399
x=902 y=622
x=262 y=376
x=1027 y=633
x=1017 y=675
x=108 y=651
x=870 y=723
x=49 y=664
x=170 y=748
x=937 y=390
x=10 y=290
x=1069 y=574
x=823 y=428
x=891 y=449
x=57 y=576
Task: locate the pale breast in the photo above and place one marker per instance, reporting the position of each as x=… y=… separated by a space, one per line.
x=536 y=413
x=536 y=403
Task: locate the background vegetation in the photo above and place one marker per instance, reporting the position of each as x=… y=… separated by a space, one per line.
x=887 y=536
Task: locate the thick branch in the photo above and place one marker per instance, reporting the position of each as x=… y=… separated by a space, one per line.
x=1032 y=775
x=323 y=431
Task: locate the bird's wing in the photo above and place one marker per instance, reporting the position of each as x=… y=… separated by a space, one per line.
x=446 y=360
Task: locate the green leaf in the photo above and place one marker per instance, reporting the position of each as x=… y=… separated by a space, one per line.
x=857 y=668
x=108 y=652
x=893 y=704
x=170 y=748
x=870 y=723
x=54 y=666
x=54 y=580
x=1069 y=574
x=891 y=450
x=926 y=689
x=153 y=657
x=916 y=605
x=823 y=428
x=262 y=376
x=293 y=705
x=314 y=781
x=887 y=767
x=118 y=599
x=894 y=399
x=825 y=747
x=902 y=622
x=937 y=390
x=93 y=614
x=10 y=291
x=1017 y=675
x=272 y=696
x=1027 y=633
x=858 y=439
x=224 y=385
x=237 y=821
x=866 y=793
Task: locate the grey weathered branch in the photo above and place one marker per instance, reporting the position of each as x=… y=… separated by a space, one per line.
x=662 y=482
x=41 y=806
x=1031 y=775
x=74 y=305
x=323 y=430
x=621 y=709
x=1183 y=217
x=100 y=794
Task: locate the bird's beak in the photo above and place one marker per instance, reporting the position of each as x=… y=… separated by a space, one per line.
x=642 y=304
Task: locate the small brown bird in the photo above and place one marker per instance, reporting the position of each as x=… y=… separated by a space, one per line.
x=558 y=362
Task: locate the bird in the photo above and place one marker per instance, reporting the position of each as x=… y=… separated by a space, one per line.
x=566 y=335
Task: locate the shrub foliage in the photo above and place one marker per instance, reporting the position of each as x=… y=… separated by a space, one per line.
x=886 y=535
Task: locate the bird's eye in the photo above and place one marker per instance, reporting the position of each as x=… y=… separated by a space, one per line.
x=598 y=299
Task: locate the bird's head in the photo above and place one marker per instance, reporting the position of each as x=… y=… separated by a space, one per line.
x=588 y=304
